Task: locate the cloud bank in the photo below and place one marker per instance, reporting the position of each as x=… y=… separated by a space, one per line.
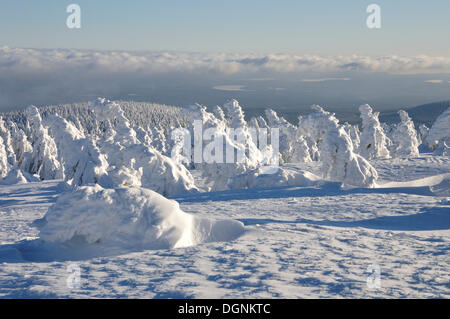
x=47 y=60
x=56 y=76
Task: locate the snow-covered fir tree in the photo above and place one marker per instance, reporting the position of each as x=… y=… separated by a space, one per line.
x=339 y=161
x=373 y=140
x=44 y=159
x=404 y=137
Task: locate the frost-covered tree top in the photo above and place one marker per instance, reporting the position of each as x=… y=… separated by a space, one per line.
x=4 y=166
x=274 y=120
x=219 y=113
x=404 y=137
x=21 y=146
x=235 y=114
x=33 y=117
x=287 y=134
x=104 y=144
x=141 y=114
x=198 y=112
x=44 y=160
x=83 y=163
x=316 y=124
x=216 y=170
x=262 y=122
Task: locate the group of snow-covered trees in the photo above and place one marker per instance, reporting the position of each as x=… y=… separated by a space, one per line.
x=54 y=148
x=117 y=144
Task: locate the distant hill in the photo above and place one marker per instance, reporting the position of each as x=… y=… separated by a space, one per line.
x=422 y=114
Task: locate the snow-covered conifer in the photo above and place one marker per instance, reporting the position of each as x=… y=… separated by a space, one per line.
x=373 y=140
x=339 y=161
x=44 y=159
x=81 y=159
x=404 y=137
x=22 y=147
x=4 y=165
x=7 y=142
x=132 y=163
x=423 y=133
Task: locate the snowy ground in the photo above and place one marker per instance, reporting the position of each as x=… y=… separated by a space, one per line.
x=300 y=242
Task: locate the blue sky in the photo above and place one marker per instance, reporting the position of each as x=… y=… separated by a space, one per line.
x=305 y=52
x=326 y=27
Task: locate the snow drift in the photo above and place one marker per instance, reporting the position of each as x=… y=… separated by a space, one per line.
x=129 y=218
x=18 y=176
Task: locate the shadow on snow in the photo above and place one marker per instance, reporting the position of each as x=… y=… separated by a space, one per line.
x=322 y=190
x=431 y=218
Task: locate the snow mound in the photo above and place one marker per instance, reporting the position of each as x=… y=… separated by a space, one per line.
x=129 y=218
x=17 y=176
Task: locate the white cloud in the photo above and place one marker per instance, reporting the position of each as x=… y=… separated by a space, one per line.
x=326 y=79
x=230 y=87
x=47 y=60
x=434 y=81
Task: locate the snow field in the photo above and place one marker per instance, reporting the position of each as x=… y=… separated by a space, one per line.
x=310 y=229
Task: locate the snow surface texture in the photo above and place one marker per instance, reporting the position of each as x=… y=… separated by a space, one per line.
x=312 y=241
x=131 y=218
